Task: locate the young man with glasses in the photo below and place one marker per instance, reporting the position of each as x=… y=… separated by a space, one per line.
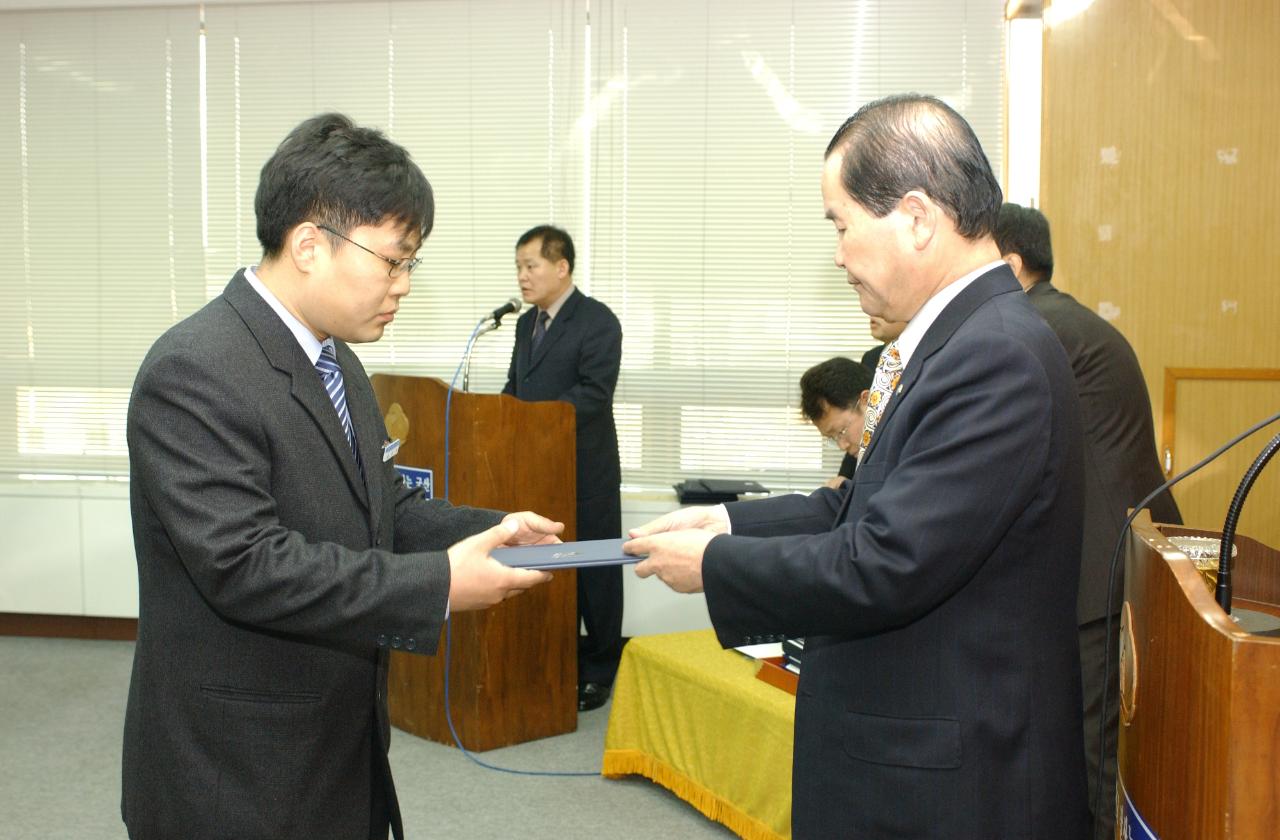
x=280 y=559
x=833 y=397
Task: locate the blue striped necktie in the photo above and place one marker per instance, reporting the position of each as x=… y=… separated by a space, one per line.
x=540 y=328
x=331 y=376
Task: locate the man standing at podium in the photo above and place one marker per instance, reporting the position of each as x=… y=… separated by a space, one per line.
x=940 y=694
x=569 y=347
x=1120 y=468
x=280 y=558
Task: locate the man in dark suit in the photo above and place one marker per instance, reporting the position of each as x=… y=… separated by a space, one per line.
x=280 y=559
x=1120 y=468
x=882 y=331
x=569 y=347
x=833 y=397
x=940 y=694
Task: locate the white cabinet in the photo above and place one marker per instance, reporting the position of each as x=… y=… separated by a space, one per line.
x=110 y=569
x=67 y=549
x=40 y=555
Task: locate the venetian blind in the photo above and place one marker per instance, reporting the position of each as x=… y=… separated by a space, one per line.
x=679 y=141
x=99 y=226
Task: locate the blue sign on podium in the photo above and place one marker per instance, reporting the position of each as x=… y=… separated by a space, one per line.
x=415 y=477
x=1132 y=826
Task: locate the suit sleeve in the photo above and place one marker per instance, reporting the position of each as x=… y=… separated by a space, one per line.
x=599 y=361
x=973 y=458
x=424 y=524
x=200 y=457
x=786 y=514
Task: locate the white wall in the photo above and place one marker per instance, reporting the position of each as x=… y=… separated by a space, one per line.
x=68 y=550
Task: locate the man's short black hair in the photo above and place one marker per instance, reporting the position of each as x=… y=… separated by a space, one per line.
x=837 y=382
x=556 y=243
x=914 y=142
x=333 y=172
x=1025 y=231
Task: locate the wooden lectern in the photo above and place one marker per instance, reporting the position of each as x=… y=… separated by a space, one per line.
x=1199 y=697
x=513 y=668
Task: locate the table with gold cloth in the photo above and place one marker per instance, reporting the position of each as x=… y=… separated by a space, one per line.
x=692 y=717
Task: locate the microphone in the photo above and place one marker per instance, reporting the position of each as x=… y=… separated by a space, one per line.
x=1222 y=593
x=488 y=323
x=513 y=305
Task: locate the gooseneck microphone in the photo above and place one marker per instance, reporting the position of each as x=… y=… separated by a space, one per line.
x=1222 y=592
x=488 y=323
x=511 y=306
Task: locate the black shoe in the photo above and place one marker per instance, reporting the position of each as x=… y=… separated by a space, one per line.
x=591 y=696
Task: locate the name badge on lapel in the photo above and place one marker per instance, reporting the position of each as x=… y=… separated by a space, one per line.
x=389 y=449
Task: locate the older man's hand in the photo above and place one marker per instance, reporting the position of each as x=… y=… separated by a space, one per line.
x=674 y=556
x=708 y=518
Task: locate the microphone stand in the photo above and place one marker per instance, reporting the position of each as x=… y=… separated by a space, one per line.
x=485 y=325
x=1222 y=593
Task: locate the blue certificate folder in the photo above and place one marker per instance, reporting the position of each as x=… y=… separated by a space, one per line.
x=566 y=555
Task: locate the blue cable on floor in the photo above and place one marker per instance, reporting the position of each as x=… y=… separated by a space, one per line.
x=448 y=623
x=458 y=741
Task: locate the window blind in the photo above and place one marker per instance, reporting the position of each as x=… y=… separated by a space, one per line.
x=679 y=142
x=99 y=226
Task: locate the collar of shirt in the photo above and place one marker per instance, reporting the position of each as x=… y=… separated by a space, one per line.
x=919 y=325
x=309 y=343
x=554 y=309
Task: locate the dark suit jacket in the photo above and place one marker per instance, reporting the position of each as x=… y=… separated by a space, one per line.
x=871 y=358
x=269 y=593
x=1120 y=462
x=578 y=362
x=940 y=693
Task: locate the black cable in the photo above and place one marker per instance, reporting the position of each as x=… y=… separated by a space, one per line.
x=1111 y=588
x=1222 y=592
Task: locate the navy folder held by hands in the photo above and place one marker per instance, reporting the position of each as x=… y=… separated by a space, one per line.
x=565 y=555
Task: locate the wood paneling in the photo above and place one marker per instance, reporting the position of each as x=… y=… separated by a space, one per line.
x=1160 y=178
x=1203 y=408
x=68 y=626
x=1205 y=413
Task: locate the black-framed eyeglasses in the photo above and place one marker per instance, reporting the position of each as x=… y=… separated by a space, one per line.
x=398 y=267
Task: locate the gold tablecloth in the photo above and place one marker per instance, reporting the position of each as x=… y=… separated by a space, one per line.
x=693 y=718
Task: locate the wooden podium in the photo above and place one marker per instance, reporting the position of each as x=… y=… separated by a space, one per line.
x=1199 y=697
x=513 y=667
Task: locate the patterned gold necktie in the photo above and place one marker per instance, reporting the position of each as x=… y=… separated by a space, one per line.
x=888 y=372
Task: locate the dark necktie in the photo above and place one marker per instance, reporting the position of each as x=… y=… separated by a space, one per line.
x=540 y=328
x=331 y=376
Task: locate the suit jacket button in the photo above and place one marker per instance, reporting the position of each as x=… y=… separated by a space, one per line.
x=395 y=641
x=382 y=640
x=410 y=643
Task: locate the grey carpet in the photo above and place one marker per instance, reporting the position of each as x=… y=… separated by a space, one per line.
x=61 y=717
